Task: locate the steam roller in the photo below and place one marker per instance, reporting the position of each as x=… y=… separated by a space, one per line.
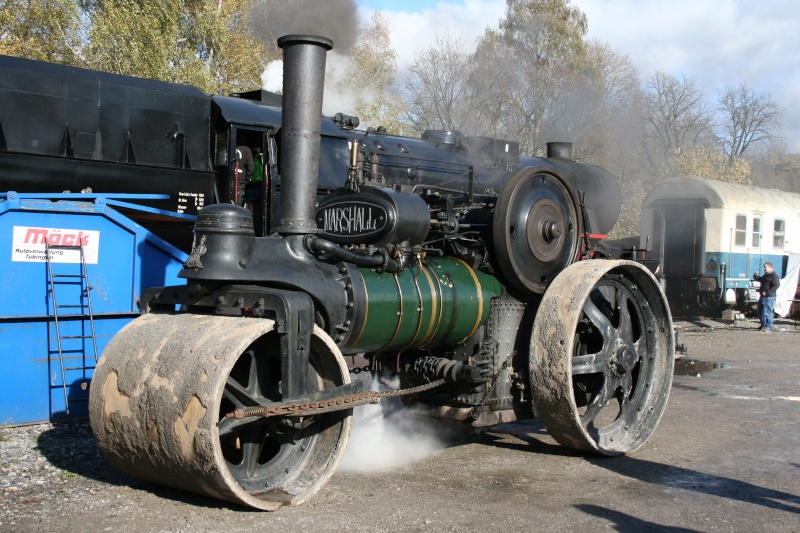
x=487 y=291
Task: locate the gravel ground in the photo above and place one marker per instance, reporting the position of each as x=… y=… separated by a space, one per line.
x=51 y=463
x=725 y=458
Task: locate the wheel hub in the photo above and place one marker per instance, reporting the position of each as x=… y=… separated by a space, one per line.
x=545 y=223
x=622 y=358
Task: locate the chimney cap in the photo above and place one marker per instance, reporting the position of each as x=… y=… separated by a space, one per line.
x=559 y=150
x=307 y=39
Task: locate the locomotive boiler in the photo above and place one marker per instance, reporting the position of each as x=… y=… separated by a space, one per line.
x=473 y=275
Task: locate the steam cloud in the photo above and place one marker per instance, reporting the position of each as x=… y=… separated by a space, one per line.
x=385 y=438
x=334 y=19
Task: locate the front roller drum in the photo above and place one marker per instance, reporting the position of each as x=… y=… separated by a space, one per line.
x=602 y=355
x=165 y=382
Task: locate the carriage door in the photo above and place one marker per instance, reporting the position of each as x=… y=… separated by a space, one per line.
x=754 y=252
x=683 y=239
x=683 y=226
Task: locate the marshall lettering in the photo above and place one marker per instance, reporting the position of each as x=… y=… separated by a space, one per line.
x=351 y=219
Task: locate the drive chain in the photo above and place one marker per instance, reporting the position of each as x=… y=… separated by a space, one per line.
x=327 y=406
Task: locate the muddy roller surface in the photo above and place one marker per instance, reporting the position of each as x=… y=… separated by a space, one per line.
x=725 y=457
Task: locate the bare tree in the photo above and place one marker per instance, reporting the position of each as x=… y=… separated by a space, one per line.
x=595 y=104
x=375 y=62
x=617 y=76
x=438 y=95
x=677 y=118
x=747 y=117
x=511 y=96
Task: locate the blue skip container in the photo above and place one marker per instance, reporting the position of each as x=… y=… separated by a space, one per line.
x=72 y=267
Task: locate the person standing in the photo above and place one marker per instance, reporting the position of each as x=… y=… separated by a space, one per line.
x=252 y=191
x=244 y=169
x=766 y=304
x=258 y=165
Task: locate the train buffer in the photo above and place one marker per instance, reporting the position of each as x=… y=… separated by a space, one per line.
x=71 y=282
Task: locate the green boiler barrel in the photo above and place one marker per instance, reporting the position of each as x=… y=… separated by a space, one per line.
x=438 y=303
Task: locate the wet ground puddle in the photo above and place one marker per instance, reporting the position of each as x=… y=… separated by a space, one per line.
x=691 y=367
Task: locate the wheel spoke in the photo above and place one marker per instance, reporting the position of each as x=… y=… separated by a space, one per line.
x=253 y=367
x=606 y=394
x=229 y=427
x=625 y=323
x=237 y=394
x=252 y=444
x=598 y=318
x=592 y=363
x=626 y=399
x=283 y=434
x=643 y=365
x=641 y=347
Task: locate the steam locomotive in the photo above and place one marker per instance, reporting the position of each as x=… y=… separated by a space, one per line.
x=477 y=277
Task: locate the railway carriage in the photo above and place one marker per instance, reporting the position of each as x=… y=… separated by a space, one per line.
x=712 y=235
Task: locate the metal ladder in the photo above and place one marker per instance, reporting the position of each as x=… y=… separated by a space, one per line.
x=84 y=305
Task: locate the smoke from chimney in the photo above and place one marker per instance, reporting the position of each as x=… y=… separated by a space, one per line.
x=335 y=19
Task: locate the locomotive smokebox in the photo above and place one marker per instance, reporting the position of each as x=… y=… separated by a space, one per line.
x=304 y=59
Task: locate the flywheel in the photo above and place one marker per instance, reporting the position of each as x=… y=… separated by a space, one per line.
x=164 y=384
x=535 y=229
x=601 y=356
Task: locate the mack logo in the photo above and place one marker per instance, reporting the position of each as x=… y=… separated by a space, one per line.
x=55 y=237
x=351 y=218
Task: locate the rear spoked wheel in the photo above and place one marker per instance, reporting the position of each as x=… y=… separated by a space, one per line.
x=602 y=355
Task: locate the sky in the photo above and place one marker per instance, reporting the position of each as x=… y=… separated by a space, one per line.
x=713 y=42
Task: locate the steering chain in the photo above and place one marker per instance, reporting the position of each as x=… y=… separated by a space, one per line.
x=327 y=406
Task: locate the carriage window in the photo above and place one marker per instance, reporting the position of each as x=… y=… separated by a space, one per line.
x=741 y=230
x=778 y=234
x=756 y=232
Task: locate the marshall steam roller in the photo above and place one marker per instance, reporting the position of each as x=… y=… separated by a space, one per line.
x=479 y=278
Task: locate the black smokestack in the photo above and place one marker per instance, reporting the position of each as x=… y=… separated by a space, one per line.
x=559 y=150
x=303 y=83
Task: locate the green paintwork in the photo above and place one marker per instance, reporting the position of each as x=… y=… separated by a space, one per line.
x=455 y=300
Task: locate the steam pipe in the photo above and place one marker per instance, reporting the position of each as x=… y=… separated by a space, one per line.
x=304 y=59
x=379 y=259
